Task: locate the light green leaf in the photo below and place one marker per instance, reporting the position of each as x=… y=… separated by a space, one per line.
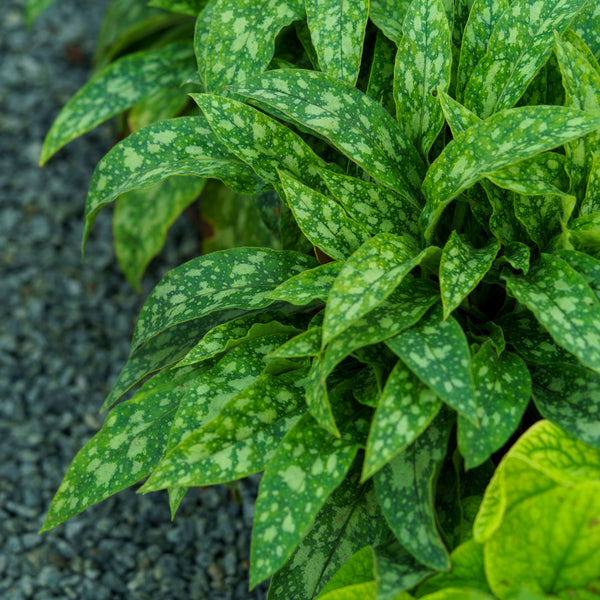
x=405 y=492
x=586 y=25
x=569 y=395
x=366 y=279
x=142 y=218
x=406 y=407
x=438 y=353
x=502 y=392
x=564 y=304
x=519 y=44
x=388 y=15
x=239 y=441
x=349 y=520
x=306 y=467
x=381 y=77
x=499 y=141
x=317 y=399
x=118 y=87
x=176 y=495
x=586 y=265
x=307 y=343
x=183 y=146
x=260 y=141
x=459 y=594
x=423 y=64
x=337 y=30
x=482 y=19
x=34 y=8
x=322 y=220
x=240 y=39
x=354 y=123
x=235 y=278
x=462 y=267
x=379 y=209
x=591 y=200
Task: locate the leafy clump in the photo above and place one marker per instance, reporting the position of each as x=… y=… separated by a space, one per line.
x=412 y=357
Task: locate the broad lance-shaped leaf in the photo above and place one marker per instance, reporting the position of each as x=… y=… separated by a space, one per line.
x=438 y=354
x=240 y=37
x=519 y=45
x=564 y=304
x=306 y=467
x=235 y=278
x=349 y=520
x=143 y=217
x=462 y=267
x=239 y=441
x=502 y=392
x=405 y=409
x=586 y=265
x=591 y=200
x=183 y=146
x=381 y=77
x=260 y=141
x=388 y=15
x=322 y=220
x=126 y=449
x=379 y=209
x=348 y=119
x=367 y=278
x=569 y=395
x=118 y=87
x=586 y=25
x=307 y=343
x=337 y=29
x=405 y=492
x=317 y=399
x=503 y=139
x=423 y=62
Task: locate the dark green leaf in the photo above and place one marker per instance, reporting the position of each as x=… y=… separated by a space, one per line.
x=307 y=343
x=381 y=76
x=388 y=15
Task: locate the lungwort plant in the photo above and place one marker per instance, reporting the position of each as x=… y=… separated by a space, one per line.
x=414 y=362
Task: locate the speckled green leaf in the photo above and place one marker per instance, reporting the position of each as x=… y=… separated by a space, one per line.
x=405 y=409
x=317 y=399
x=586 y=265
x=584 y=234
x=187 y=7
x=126 y=449
x=259 y=140
x=354 y=123
x=379 y=209
x=591 y=200
x=239 y=441
x=118 y=87
x=349 y=520
x=519 y=44
x=307 y=343
x=322 y=220
x=483 y=17
x=503 y=222
x=312 y=284
x=366 y=279
x=405 y=492
x=388 y=15
x=502 y=392
x=518 y=255
x=240 y=39
x=569 y=395
x=235 y=278
x=438 y=353
x=462 y=267
x=183 y=146
x=587 y=24
x=143 y=217
x=499 y=141
x=564 y=304
x=337 y=30
x=168 y=103
x=306 y=467
x=423 y=64
x=381 y=77
x=34 y=8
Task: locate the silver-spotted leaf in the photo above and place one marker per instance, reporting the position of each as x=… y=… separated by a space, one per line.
x=502 y=392
x=388 y=15
x=354 y=123
x=462 y=267
x=518 y=255
x=235 y=278
x=423 y=64
x=437 y=351
x=587 y=24
x=519 y=44
x=564 y=304
x=307 y=343
x=317 y=398
x=117 y=87
x=586 y=265
x=337 y=30
x=591 y=200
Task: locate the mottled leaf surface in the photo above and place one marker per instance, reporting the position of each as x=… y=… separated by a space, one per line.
x=564 y=304
x=235 y=278
x=462 y=267
x=587 y=24
x=381 y=77
x=117 y=87
x=354 y=123
x=591 y=200
x=438 y=353
x=586 y=265
x=423 y=64
x=307 y=343
x=518 y=255
x=502 y=392
x=519 y=44
x=405 y=492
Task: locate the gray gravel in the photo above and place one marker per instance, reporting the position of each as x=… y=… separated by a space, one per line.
x=65 y=328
